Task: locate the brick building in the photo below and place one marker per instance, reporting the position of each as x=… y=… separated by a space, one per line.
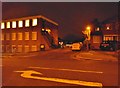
x=27 y=34
x=108 y=31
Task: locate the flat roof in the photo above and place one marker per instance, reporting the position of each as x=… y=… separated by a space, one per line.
x=31 y=17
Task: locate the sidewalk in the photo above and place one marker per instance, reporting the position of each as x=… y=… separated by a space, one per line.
x=28 y=54
x=94 y=55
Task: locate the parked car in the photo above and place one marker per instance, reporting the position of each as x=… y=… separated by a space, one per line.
x=109 y=45
x=77 y=46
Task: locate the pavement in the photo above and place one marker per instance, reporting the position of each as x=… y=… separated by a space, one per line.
x=84 y=55
x=28 y=54
x=96 y=55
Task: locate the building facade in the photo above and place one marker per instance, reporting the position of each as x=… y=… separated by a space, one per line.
x=109 y=31
x=27 y=34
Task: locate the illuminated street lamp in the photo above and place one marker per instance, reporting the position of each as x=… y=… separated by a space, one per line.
x=88 y=29
x=87 y=32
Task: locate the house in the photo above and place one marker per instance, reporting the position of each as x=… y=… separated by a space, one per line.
x=28 y=34
x=108 y=31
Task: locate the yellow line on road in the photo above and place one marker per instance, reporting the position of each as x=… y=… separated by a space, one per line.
x=67 y=70
x=28 y=74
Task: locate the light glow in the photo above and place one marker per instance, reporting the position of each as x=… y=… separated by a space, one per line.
x=8 y=24
x=13 y=36
x=48 y=30
x=108 y=28
x=14 y=24
x=26 y=35
x=34 y=35
x=2 y=25
x=20 y=23
x=20 y=36
x=27 y=23
x=34 y=22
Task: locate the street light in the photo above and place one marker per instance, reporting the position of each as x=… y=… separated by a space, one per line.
x=87 y=32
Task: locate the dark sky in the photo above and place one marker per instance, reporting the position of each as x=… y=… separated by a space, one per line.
x=72 y=17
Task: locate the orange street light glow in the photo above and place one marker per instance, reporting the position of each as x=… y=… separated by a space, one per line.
x=88 y=27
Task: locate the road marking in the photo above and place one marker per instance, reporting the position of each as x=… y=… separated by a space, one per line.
x=79 y=57
x=28 y=74
x=67 y=70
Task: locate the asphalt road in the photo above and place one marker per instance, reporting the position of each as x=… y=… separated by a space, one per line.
x=58 y=68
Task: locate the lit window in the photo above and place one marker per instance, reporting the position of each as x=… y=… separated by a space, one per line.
x=8 y=24
x=26 y=35
x=19 y=36
x=97 y=29
x=34 y=22
x=106 y=38
x=48 y=30
x=34 y=48
x=14 y=24
x=34 y=35
x=108 y=28
x=2 y=25
x=19 y=48
x=26 y=47
x=7 y=36
x=27 y=23
x=13 y=36
x=20 y=23
x=2 y=37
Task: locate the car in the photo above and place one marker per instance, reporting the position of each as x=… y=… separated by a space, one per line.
x=109 y=45
x=77 y=46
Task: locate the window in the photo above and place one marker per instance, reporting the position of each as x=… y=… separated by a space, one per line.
x=26 y=48
x=96 y=39
x=34 y=48
x=14 y=48
x=34 y=22
x=97 y=29
x=20 y=24
x=108 y=27
x=7 y=36
x=3 y=48
x=13 y=36
x=19 y=49
x=7 y=48
x=2 y=25
x=14 y=24
x=20 y=36
x=26 y=35
x=106 y=38
x=27 y=23
x=8 y=24
x=2 y=37
x=34 y=35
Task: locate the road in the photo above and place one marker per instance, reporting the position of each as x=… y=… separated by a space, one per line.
x=58 y=68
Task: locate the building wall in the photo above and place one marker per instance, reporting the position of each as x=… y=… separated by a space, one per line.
x=109 y=31
x=95 y=41
x=25 y=39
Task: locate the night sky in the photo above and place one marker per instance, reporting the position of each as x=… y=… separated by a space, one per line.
x=72 y=17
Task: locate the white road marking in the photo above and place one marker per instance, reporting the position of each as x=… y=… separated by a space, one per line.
x=28 y=74
x=67 y=70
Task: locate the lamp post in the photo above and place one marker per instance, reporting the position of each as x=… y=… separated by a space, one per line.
x=87 y=32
